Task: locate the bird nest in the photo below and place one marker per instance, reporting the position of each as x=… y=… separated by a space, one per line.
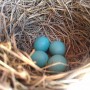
x=22 y=21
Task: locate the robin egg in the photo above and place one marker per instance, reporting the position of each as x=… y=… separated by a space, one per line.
x=57 y=48
x=58 y=63
x=41 y=43
x=40 y=58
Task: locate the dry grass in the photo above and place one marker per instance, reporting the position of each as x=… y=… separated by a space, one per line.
x=21 y=21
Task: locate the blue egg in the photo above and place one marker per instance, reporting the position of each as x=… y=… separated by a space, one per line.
x=41 y=43
x=57 y=48
x=58 y=67
x=40 y=58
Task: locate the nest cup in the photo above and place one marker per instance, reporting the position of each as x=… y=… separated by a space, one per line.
x=22 y=21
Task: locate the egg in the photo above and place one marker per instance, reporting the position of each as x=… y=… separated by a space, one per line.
x=41 y=44
x=60 y=66
x=57 y=48
x=40 y=58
